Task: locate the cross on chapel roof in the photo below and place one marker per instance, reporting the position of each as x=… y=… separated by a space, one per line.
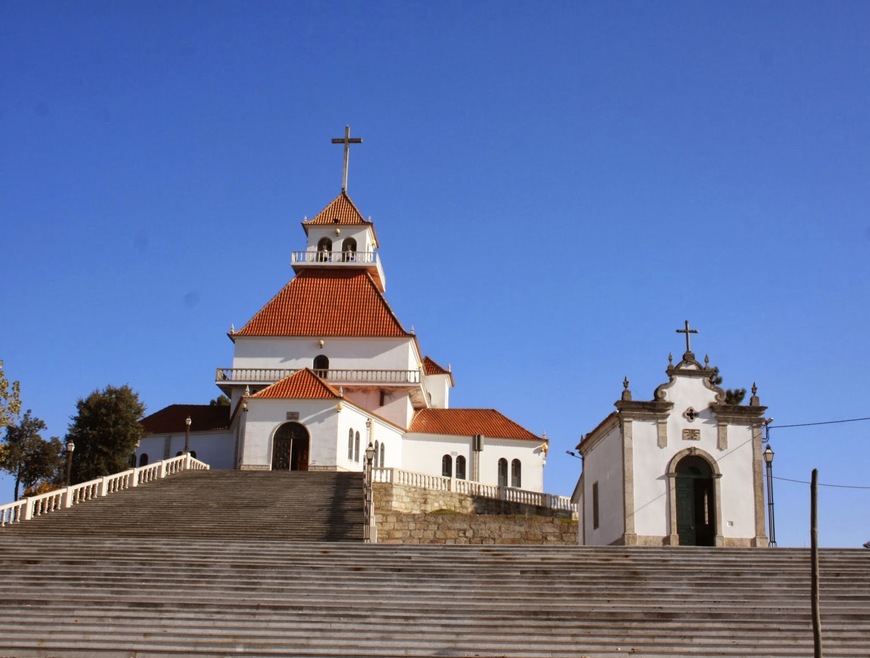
x=347 y=141
x=688 y=355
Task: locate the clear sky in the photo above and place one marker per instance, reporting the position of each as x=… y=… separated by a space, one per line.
x=556 y=187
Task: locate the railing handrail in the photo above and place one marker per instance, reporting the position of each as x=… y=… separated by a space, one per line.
x=341 y=257
x=27 y=508
x=468 y=487
x=338 y=375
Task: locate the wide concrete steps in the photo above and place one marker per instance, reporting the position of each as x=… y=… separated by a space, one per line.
x=124 y=596
x=288 y=506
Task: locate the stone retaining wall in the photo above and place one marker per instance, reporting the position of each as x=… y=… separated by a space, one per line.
x=410 y=515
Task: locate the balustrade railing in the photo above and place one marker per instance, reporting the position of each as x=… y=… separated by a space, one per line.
x=467 y=487
x=335 y=376
x=28 y=508
x=339 y=257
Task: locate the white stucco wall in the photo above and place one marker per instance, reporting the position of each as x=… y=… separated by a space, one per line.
x=214 y=448
x=602 y=464
x=343 y=353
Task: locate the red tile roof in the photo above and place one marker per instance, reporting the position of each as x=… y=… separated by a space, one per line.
x=432 y=368
x=203 y=417
x=327 y=303
x=302 y=385
x=466 y=422
x=341 y=209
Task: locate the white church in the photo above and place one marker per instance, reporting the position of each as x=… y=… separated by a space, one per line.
x=684 y=468
x=326 y=369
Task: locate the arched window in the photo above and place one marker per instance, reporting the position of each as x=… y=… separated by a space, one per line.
x=348 y=250
x=460 y=467
x=447 y=466
x=193 y=453
x=516 y=473
x=382 y=456
x=143 y=459
x=502 y=472
x=376 y=455
x=350 y=444
x=324 y=250
x=321 y=365
x=356 y=448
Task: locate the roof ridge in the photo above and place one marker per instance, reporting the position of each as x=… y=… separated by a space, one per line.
x=306 y=374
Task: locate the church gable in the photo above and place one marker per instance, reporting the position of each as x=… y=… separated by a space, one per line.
x=303 y=385
x=327 y=303
x=340 y=212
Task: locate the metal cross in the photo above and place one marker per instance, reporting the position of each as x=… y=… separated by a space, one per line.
x=347 y=141
x=687 y=331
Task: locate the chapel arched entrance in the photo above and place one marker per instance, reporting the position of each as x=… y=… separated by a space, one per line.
x=290 y=447
x=695 y=502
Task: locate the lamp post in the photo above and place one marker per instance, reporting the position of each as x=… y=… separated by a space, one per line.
x=187 y=422
x=367 y=528
x=70 y=449
x=768 y=460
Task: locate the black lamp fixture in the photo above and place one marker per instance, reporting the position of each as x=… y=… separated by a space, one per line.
x=70 y=449
x=771 y=522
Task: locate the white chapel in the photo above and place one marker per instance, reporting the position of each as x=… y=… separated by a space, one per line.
x=325 y=369
x=684 y=468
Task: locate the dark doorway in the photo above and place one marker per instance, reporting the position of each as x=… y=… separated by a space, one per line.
x=696 y=506
x=290 y=448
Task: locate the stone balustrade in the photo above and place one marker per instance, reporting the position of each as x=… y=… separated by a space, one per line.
x=33 y=506
x=332 y=375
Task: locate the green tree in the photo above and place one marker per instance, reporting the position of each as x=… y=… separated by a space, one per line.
x=732 y=395
x=31 y=460
x=220 y=401
x=10 y=399
x=105 y=431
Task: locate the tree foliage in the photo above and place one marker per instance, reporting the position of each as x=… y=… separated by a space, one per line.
x=220 y=401
x=732 y=395
x=32 y=461
x=10 y=399
x=105 y=431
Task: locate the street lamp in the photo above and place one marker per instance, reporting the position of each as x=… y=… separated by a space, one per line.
x=367 y=527
x=768 y=459
x=70 y=449
x=187 y=422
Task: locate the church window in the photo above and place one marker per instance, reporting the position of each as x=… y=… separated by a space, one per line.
x=382 y=456
x=324 y=249
x=502 y=472
x=348 y=250
x=516 y=473
x=143 y=459
x=460 y=467
x=350 y=444
x=376 y=455
x=356 y=447
x=447 y=466
x=193 y=453
x=594 y=505
x=321 y=365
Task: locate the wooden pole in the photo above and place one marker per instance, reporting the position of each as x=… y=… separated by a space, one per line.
x=814 y=555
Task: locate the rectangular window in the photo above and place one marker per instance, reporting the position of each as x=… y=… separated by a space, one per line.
x=595 y=505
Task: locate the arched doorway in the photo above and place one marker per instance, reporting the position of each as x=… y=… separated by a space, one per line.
x=290 y=448
x=695 y=502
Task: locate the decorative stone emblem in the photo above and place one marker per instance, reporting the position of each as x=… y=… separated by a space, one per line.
x=292 y=415
x=691 y=435
x=690 y=414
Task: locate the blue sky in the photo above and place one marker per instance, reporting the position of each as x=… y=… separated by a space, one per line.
x=556 y=186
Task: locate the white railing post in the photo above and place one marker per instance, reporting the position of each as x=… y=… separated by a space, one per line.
x=134 y=478
x=163 y=469
x=28 y=509
x=68 y=497
x=103 y=486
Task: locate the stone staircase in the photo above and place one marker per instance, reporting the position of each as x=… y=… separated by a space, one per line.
x=180 y=580
x=220 y=504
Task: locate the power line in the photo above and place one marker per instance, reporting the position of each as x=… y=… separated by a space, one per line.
x=824 y=422
x=835 y=486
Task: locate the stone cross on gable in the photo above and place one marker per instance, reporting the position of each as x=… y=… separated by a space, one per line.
x=687 y=331
x=347 y=141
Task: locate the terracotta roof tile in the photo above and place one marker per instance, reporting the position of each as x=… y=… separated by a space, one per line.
x=203 y=417
x=342 y=209
x=327 y=303
x=302 y=385
x=432 y=368
x=466 y=422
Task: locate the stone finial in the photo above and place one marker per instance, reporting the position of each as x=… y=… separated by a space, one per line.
x=670 y=359
x=754 y=401
x=232 y=328
x=706 y=360
x=626 y=394
x=247 y=391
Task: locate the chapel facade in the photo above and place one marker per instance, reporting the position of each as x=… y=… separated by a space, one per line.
x=684 y=468
x=325 y=369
